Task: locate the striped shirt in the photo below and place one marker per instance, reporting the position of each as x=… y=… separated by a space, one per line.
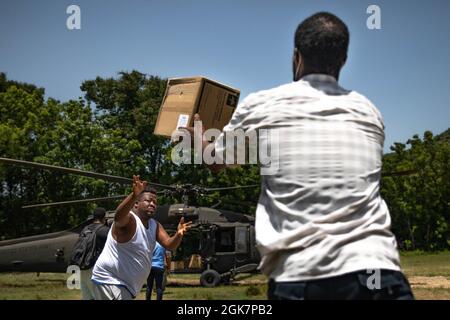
x=320 y=214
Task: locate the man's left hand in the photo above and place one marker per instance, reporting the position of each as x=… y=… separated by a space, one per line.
x=183 y=227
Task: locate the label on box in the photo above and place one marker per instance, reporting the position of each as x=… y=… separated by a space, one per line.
x=232 y=100
x=183 y=120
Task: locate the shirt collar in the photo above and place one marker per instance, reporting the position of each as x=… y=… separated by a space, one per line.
x=319 y=77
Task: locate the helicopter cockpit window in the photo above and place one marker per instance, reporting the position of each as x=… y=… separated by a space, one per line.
x=225 y=240
x=241 y=239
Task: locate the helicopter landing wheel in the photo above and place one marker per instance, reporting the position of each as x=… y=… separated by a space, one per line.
x=210 y=278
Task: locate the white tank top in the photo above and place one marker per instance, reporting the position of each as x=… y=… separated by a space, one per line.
x=127 y=264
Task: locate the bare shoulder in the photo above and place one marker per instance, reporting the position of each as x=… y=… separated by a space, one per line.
x=124 y=233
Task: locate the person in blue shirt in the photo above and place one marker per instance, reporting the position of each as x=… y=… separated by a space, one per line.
x=159 y=264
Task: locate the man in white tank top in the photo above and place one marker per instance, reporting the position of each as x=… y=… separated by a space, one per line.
x=126 y=260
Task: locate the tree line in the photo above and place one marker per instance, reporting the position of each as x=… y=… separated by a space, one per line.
x=110 y=130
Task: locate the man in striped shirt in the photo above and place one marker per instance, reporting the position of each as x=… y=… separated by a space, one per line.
x=322 y=228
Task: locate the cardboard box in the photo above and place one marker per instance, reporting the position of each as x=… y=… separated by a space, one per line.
x=195 y=262
x=176 y=265
x=184 y=97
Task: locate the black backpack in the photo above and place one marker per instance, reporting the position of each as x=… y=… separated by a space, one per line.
x=84 y=252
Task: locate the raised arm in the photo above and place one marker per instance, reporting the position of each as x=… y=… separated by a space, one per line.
x=172 y=243
x=122 y=216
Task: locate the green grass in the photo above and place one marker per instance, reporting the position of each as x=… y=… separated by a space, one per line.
x=28 y=286
x=228 y=292
x=426 y=264
x=52 y=286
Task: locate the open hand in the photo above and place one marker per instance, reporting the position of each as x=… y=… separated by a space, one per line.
x=138 y=185
x=183 y=227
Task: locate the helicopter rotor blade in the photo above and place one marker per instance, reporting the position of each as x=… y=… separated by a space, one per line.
x=230 y=188
x=238 y=203
x=50 y=204
x=106 y=177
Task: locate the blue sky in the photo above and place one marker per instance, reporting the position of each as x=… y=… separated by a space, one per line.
x=403 y=68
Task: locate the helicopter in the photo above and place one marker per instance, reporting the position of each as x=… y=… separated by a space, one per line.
x=221 y=243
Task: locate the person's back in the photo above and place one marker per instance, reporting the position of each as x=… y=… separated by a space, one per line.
x=321 y=226
x=323 y=205
x=101 y=236
x=101 y=232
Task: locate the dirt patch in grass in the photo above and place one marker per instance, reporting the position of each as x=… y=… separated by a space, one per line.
x=416 y=282
x=176 y=282
x=430 y=282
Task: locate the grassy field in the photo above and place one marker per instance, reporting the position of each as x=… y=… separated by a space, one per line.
x=426 y=265
x=429 y=275
x=52 y=286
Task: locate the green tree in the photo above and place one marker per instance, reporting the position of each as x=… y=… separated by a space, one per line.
x=65 y=134
x=109 y=131
x=130 y=103
x=419 y=202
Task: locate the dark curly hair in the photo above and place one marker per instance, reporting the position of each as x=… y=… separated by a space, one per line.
x=99 y=213
x=322 y=40
x=148 y=189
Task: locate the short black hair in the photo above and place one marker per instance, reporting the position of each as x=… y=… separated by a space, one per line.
x=99 y=213
x=322 y=40
x=147 y=190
